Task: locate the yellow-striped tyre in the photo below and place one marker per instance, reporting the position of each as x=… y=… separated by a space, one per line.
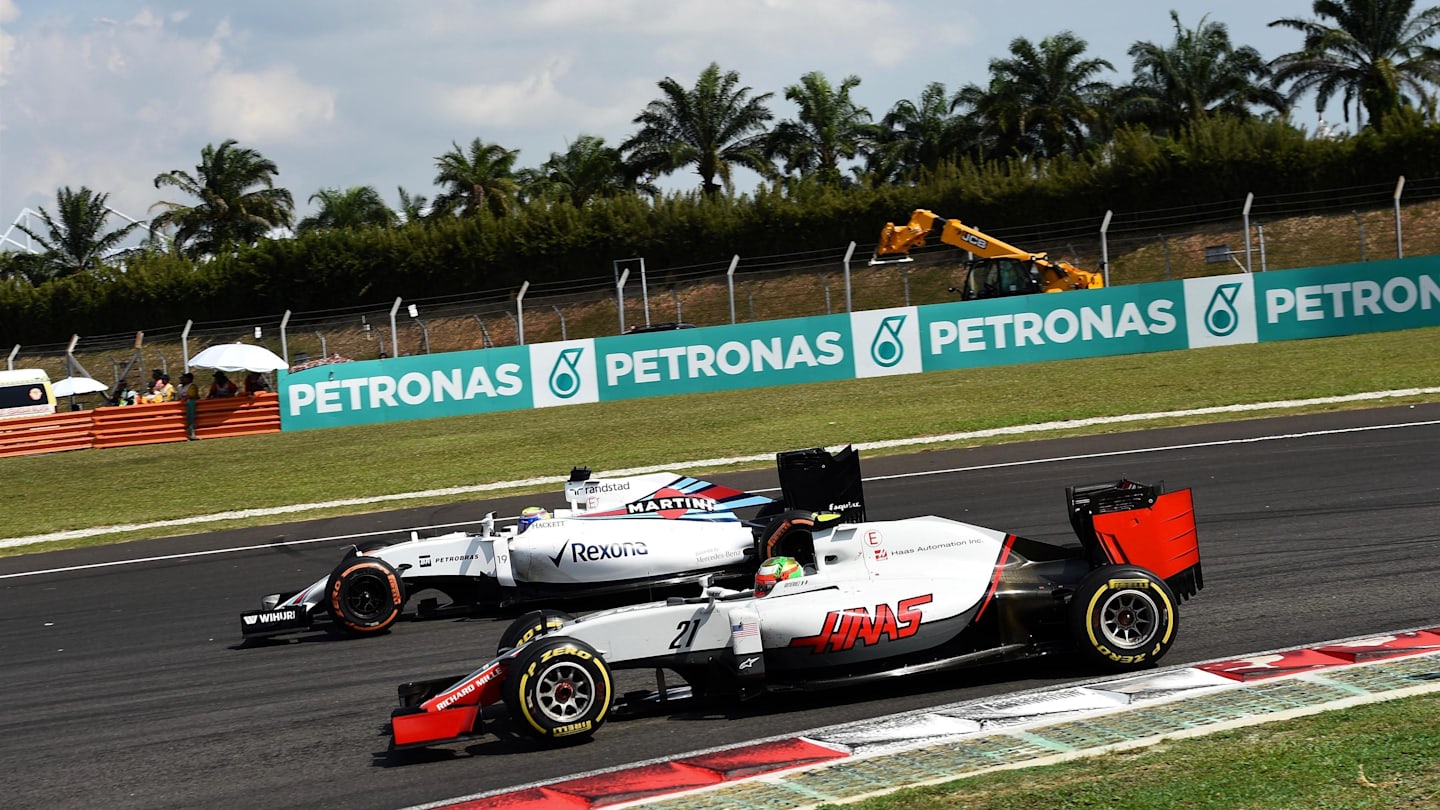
x=530 y=626
x=1123 y=618
x=558 y=689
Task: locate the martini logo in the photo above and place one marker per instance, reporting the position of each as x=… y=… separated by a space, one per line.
x=1221 y=317
x=565 y=376
x=887 y=350
x=670 y=504
x=843 y=629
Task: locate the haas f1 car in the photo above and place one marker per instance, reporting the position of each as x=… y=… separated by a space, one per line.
x=619 y=535
x=872 y=599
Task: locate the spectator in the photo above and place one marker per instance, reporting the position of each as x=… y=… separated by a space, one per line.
x=255 y=383
x=190 y=395
x=127 y=395
x=221 y=387
x=161 y=390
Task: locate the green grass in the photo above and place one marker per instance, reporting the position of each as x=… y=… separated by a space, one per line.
x=166 y=482
x=1381 y=755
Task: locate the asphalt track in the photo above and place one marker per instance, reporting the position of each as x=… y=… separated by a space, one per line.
x=125 y=686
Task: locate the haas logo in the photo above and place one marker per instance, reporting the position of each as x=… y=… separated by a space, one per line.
x=843 y=629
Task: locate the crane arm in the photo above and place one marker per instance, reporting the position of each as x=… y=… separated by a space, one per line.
x=897 y=240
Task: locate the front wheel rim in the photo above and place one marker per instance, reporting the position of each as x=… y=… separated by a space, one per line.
x=564 y=692
x=367 y=599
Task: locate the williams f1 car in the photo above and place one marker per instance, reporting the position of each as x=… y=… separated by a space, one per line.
x=874 y=599
x=628 y=534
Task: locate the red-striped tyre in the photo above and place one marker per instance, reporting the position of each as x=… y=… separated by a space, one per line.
x=364 y=596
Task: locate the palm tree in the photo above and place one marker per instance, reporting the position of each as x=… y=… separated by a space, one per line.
x=830 y=128
x=231 y=210
x=1198 y=74
x=712 y=127
x=355 y=207
x=1043 y=100
x=481 y=177
x=585 y=170
x=919 y=134
x=413 y=208
x=75 y=238
x=1374 y=52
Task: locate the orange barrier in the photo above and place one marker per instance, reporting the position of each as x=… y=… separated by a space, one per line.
x=45 y=434
x=139 y=424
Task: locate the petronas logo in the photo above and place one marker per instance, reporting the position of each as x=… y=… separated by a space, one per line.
x=887 y=350
x=1221 y=316
x=565 y=377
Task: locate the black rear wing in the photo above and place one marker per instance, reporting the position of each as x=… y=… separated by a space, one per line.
x=818 y=481
x=1128 y=523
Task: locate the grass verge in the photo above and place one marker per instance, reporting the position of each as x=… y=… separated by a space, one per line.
x=1380 y=755
x=82 y=489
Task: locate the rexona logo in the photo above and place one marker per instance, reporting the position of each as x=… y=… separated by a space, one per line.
x=843 y=629
x=595 y=552
x=670 y=504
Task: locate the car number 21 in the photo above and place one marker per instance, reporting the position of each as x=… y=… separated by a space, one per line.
x=686 y=636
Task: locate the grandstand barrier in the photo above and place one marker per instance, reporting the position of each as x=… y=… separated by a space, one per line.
x=133 y=425
x=53 y=433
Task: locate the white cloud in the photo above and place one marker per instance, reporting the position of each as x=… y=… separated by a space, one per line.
x=275 y=105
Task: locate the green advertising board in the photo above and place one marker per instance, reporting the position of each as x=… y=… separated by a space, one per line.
x=1162 y=316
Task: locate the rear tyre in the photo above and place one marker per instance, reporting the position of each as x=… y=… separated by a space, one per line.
x=558 y=689
x=364 y=596
x=1123 y=618
x=530 y=626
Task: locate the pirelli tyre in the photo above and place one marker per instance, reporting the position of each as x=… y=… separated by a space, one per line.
x=530 y=626
x=364 y=596
x=558 y=689
x=1123 y=617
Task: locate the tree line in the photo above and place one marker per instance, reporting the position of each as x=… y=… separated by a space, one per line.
x=1046 y=114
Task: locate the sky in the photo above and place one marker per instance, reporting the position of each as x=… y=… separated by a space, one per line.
x=339 y=93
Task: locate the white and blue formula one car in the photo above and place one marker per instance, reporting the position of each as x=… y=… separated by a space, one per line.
x=628 y=534
x=869 y=600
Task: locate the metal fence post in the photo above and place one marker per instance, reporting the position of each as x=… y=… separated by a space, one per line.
x=850 y=251
x=520 y=314
x=561 y=315
x=620 y=297
x=185 y=344
x=1245 y=215
x=1399 y=238
x=394 y=334
x=1105 y=247
x=284 y=347
x=730 y=283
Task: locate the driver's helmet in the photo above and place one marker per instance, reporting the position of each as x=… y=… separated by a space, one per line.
x=776 y=569
x=531 y=514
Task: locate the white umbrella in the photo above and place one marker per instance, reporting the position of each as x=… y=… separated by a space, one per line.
x=71 y=386
x=239 y=357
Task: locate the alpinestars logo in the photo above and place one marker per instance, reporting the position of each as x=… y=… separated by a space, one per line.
x=843 y=629
x=886 y=349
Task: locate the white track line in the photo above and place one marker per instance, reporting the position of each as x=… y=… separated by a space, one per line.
x=1069 y=424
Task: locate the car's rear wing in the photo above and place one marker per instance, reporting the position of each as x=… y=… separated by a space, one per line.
x=1123 y=522
x=818 y=481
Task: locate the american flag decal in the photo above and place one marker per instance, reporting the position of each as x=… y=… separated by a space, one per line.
x=745 y=629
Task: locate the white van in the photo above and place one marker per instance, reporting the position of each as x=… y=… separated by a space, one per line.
x=25 y=392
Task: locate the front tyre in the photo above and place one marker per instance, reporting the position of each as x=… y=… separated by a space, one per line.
x=1123 y=618
x=530 y=626
x=558 y=689
x=364 y=596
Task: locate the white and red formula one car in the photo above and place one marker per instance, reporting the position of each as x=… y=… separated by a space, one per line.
x=875 y=599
